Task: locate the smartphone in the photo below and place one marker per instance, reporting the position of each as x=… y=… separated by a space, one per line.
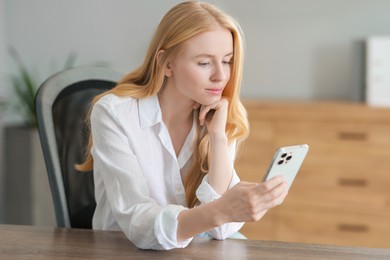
x=286 y=162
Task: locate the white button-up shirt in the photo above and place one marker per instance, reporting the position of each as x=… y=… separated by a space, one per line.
x=138 y=177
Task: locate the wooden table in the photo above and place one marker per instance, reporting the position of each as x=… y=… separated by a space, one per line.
x=28 y=242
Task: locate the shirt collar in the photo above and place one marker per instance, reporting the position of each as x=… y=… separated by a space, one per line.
x=149 y=111
x=150 y=114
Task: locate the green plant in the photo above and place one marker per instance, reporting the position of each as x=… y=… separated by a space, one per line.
x=25 y=86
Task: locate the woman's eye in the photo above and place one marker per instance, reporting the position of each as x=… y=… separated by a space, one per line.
x=203 y=63
x=227 y=62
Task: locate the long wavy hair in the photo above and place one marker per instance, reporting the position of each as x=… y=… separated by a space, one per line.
x=183 y=21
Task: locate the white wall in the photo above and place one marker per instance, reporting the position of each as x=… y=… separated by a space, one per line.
x=117 y=32
x=2 y=88
x=2 y=42
x=308 y=49
x=301 y=49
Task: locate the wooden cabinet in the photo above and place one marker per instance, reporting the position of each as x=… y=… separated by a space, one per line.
x=342 y=193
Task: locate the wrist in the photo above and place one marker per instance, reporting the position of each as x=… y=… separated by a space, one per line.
x=199 y=219
x=218 y=137
x=217 y=212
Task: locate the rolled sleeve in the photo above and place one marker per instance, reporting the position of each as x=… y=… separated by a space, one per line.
x=165 y=227
x=205 y=193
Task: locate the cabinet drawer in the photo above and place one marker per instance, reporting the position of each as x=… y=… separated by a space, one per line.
x=347 y=140
x=337 y=186
x=334 y=228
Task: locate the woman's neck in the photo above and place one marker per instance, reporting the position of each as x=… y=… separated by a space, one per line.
x=177 y=114
x=176 y=110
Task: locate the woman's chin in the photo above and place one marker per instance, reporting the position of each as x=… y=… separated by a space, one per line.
x=209 y=100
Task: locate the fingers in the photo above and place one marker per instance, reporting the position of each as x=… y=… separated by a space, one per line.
x=250 y=201
x=272 y=193
x=273 y=187
x=273 y=181
x=267 y=195
x=205 y=109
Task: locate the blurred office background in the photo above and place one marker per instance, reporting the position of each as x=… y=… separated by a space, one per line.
x=296 y=50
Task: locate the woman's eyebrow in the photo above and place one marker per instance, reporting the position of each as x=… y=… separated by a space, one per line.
x=205 y=55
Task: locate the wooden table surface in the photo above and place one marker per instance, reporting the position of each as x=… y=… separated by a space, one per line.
x=28 y=242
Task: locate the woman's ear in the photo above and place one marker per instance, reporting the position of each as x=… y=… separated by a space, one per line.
x=167 y=68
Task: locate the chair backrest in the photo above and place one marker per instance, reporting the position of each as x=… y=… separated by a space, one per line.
x=62 y=103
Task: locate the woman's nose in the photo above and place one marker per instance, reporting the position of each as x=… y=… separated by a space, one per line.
x=219 y=74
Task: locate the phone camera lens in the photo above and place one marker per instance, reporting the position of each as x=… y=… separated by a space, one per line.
x=288 y=157
x=281 y=161
x=284 y=155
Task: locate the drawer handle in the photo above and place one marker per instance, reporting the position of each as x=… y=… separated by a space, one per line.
x=353 y=228
x=353 y=182
x=353 y=136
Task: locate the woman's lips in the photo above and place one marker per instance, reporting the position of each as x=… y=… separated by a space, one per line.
x=215 y=91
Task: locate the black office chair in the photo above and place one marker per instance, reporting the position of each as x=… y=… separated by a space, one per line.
x=62 y=103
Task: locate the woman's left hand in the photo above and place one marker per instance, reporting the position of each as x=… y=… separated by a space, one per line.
x=214 y=116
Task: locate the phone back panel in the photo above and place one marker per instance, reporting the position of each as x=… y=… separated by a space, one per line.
x=287 y=161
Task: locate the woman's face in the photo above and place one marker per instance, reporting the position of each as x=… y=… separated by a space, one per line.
x=202 y=69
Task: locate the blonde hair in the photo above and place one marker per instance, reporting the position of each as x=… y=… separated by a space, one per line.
x=179 y=24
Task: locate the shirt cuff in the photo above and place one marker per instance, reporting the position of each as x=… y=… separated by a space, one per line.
x=165 y=228
x=205 y=193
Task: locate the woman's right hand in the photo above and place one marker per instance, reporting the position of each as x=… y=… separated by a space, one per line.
x=248 y=202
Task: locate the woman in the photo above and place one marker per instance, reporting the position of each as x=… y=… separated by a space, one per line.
x=163 y=141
